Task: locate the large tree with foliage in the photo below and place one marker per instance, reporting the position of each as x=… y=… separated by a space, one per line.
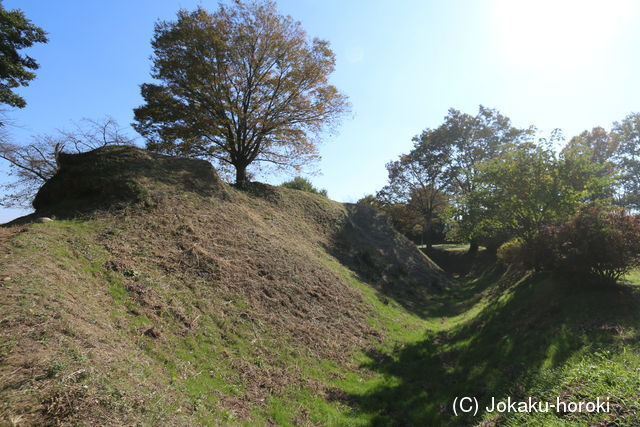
x=241 y=85
x=16 y=69
x=474 y=139
x=527 y=186
x=417 y=181
x=597 y=144
x=626 y=136
x=444 y=165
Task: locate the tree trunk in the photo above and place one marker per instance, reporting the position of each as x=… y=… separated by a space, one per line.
x=241 y=176
x=473 y=247
x=426 y=232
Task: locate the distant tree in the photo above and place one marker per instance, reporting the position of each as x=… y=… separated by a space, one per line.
x=473 y=140
x=597 y=144
x=528 y=186
x=422 y=218
x=416 y=183
x=370 y=200
x=626 y=135
x=303 y=184
x=33 y=164
x=16 y=33
x=241 y=85
x=403 y=216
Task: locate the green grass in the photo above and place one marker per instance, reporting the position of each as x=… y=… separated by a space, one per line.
x=534 y=337
x=453 y=247
x=496 y=334
x=400 y=326
x=633 y=277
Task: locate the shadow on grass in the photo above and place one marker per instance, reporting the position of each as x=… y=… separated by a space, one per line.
x=465 y=294
x=458 y=261
x=534 y=325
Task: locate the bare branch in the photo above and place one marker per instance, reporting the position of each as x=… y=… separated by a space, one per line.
x=33 y=164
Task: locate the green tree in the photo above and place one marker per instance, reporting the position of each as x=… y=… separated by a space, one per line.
x=416 y=184
x=16 y=33
x=626 y=135
x=528 y=186
x=597 y=144
x=474 y=140
x=241 y=85
x=303 y=184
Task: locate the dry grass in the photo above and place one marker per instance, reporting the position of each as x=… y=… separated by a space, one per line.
x=189 y=307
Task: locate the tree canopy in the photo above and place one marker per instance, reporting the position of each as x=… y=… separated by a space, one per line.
x=417 y=181
x=474 y=139
x=484 y=181
x=241 y=85
x=16 y=69
x=626 y=136
x=528 y=186
x=597 y=144
x=443 y=167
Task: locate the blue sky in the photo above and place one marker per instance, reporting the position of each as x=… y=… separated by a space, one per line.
x=571 y=64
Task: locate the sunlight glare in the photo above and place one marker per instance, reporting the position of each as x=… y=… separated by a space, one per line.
x=557 y=34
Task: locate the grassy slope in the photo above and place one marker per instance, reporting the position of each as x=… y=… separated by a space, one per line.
x=229 y=309
x=79 y=348
x=239 y=309
x=513 y=334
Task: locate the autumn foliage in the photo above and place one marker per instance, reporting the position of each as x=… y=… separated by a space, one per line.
x=598 y=242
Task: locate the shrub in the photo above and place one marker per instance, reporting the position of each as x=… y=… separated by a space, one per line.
x=543 y=250
x=303 y=184
x=598 y=242
x=512 y=253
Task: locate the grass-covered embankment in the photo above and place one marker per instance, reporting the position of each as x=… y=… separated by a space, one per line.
x=272 y=305
x=187 y=301
x=512 y=334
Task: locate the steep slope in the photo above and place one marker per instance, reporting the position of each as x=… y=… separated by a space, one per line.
x=161 y=294
x=507 y=335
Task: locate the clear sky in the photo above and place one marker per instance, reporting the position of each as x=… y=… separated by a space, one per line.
x=571 y=64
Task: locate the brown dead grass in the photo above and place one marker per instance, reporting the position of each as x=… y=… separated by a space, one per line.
x=108 y=325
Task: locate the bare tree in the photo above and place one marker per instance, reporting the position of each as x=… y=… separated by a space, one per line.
x=32 y=164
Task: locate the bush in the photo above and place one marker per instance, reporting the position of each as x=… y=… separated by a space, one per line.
x=303 y=184
x=543 y=250
x=598 y=242
x=512 y=253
